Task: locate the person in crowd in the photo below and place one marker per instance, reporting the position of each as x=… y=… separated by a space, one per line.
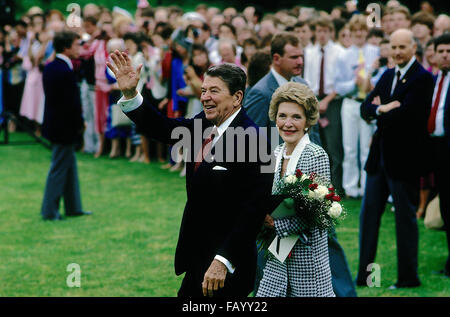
x=401 y=17
x=304 y=31
x=63 y=126
x=287 y=63
x=32 y=104
x=382 y=63
x=441 y=25
x=13 y=76
x=87 y=71
x=387 y=21
x=239 y=22
x=375 y=36
x=176 y=106
x=306 y=272
x=250 y=47
x=352 y=81
x=193 y=76
x=225 y=264
x=113 y=133
x=422 y=27
x=344 y=37
x=319 y=74
x=99 y=51
x=439 y=129
x=228 y=52
x=400 y=104
x=267 y=26
x=429 y=60
x=155 y=89
x=258 y=67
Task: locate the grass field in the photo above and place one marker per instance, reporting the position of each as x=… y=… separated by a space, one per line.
x=127 y=247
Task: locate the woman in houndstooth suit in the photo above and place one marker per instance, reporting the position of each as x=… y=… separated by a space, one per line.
x=307 y=271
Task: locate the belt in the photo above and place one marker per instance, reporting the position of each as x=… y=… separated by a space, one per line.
x=357 y=99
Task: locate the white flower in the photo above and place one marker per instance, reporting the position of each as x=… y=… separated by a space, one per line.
x=304 y=177
x=335 y=210
x=290 y=179
x=319 y=193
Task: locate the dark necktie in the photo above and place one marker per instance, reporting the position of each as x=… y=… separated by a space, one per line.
x=321 y=79
x=432 y=118
x=206 y=148
x=398 y=74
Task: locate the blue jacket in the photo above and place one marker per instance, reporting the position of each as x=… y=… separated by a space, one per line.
x=63 y=121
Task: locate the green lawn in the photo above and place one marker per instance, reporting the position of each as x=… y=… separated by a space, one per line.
x=127 y=247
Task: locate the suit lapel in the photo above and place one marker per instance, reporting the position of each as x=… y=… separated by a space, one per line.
x=406 y=80
x=222 y=142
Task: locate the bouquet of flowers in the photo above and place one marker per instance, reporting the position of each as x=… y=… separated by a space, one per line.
x=315 y=201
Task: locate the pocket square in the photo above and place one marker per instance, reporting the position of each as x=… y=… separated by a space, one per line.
x=219 y=168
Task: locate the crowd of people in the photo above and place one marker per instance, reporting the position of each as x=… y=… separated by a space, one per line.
x=342 y=56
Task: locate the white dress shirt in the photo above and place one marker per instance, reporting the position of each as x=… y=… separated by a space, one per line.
x=439 y=130
x=313 y=58
x=347 y=64
x=403 y=71
x=280 y=79
x=128 y=105
x=66 y=59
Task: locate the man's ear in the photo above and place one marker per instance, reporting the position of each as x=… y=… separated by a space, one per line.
x=238 y=97
x=276 y=58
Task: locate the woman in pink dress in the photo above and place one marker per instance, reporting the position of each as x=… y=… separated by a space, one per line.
x=32 y=105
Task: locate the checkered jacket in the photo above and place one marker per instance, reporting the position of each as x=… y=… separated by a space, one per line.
x=307 y=272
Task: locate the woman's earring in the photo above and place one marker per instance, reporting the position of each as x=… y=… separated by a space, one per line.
x=306 y=129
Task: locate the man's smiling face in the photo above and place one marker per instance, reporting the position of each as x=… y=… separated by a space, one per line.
x=218 y=103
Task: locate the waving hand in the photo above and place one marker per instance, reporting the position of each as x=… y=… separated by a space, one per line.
x=127 y=77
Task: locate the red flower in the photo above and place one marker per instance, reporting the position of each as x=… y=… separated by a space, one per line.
x=336 y=198
x=331 y=189
x=329 y=196
x=313 y=186
x=298 y=173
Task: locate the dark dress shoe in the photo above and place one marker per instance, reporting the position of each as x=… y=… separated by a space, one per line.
x=443 y=272
x=54 y=218
x=80 y=213
x=404 y=285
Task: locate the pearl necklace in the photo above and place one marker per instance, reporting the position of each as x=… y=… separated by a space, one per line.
x=285 y=156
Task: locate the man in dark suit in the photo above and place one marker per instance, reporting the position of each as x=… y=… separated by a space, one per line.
x=223 y=214
x=63 y=125
x=400 y=103
x=287 y=64
x=439 y=129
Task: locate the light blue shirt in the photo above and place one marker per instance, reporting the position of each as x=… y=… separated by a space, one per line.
x=347 y=63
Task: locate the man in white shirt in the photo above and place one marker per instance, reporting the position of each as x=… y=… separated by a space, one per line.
x=353 y=71
x=320 y=67
x=439 y=129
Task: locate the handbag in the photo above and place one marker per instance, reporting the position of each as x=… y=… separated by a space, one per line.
x=118 y=118
x=433 y=218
